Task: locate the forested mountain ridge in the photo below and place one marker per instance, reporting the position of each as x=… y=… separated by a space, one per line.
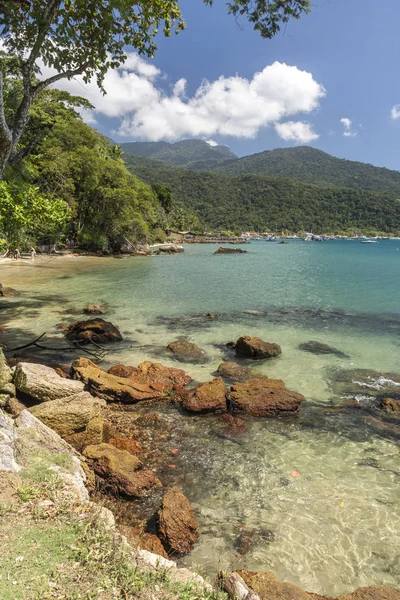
x=189 y=154
x=271 y=203
x=314 y=166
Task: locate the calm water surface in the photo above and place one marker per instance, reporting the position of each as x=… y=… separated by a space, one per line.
x=337 y=525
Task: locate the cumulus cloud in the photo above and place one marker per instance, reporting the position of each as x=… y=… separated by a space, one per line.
x=212 y=142
x=347 y=123
x=230 y=106
x=298 y=131
x=395 y=112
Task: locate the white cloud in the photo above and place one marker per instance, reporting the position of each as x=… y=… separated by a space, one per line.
x=395 y=112
x=212 y=143
x=299 y=131
x=230 y=106
x=347 y=123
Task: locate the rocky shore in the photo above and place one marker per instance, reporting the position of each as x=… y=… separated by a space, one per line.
x=79 y=410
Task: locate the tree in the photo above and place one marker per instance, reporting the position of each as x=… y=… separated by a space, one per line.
x=88 y=37
x=164 y=195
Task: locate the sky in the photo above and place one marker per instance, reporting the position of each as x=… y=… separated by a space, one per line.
x=330 y=80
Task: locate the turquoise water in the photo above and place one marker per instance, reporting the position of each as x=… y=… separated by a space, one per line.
x=336 y=526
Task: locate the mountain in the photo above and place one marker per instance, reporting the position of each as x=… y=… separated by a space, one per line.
x=189 y=154
x=271 y=203
x=314 y=166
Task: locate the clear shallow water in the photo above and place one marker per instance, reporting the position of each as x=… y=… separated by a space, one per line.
x=337 y=525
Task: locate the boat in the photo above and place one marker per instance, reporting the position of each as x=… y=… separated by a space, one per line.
x=369 y=241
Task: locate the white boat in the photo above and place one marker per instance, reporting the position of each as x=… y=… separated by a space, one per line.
x=369 y=241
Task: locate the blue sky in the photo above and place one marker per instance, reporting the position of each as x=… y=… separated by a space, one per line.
x=346 y=58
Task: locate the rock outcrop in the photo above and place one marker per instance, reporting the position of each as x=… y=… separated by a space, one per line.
x=113 y=388
x=256 y=349
x=8 y=292
x=234 y=372
x=120 y=472
x=78 y=419
x=93 y=330
x=177 y=525
x=263 y=397
x=149 y=372
x=207 y=397
x=43 y=384
x=185 y=351
x=222 y=250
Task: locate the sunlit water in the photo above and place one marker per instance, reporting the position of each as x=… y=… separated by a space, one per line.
x=337 y=525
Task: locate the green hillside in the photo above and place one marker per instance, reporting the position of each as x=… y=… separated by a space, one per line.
x=314 y=166
x=260 y=202
x=190 y=154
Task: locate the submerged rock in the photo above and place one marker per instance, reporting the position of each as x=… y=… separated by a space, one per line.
x=207 y=397
x=95 y=309
x=263 y=397
x=222 y=250
x=319 y=348
x=256 y=349
x=8 y=292
x=93 y=330
x=113 y=388
x=177 y=525
x=235 y=372
x=233 y=425
x=372 y=592
x=185 y=351
x=391 y=405
x=365 y=383
x=120 y=472
x=43 y=383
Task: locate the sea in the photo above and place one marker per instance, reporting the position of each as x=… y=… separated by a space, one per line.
x=315 y=499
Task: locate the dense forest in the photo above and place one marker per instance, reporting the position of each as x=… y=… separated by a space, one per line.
x=71 y=183
x=272 y=203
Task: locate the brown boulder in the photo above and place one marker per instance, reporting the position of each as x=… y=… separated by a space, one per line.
x=113 y=388
x=256 y=349
x=373 y=592
x=131 y=446
x=93 y=330
x=149 y=372
x=263 y=397
x=120 y=472
x=122 y=370
x=207 y=397
x=143 y=540
x=233 y=425
x=187 y=352
x=267 y=586
x=391 y=405
x=177 y=525
x=232 y=370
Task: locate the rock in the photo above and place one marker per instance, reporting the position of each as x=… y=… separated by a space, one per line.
x=267 y=586
x=121 y=472
x=235 y=372
x=8 y=292
x=149 y=372
x=212 y=315
x=319 y=348
x=5 y=371
x=391 y=405
x=373 y=592
x=131 y=446
x=365 y=382
x=222 y=250
x=96 y=330
x=177 y=525
x=187 y=352
x=237 y=589
x=95 y=309
x=113 y=388
x=8 y=460
x=122 y=370
x=207 y=397
x=145 y=541
x=78 y=419
x=263 y=397
x=256 y=349
x=43 y=383
x=233 y=425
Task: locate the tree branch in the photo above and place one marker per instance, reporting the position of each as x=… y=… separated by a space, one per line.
x=16 y=157
x=64 y=75
x=4 y=129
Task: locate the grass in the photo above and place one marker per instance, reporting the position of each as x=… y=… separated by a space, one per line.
x=52 y=550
